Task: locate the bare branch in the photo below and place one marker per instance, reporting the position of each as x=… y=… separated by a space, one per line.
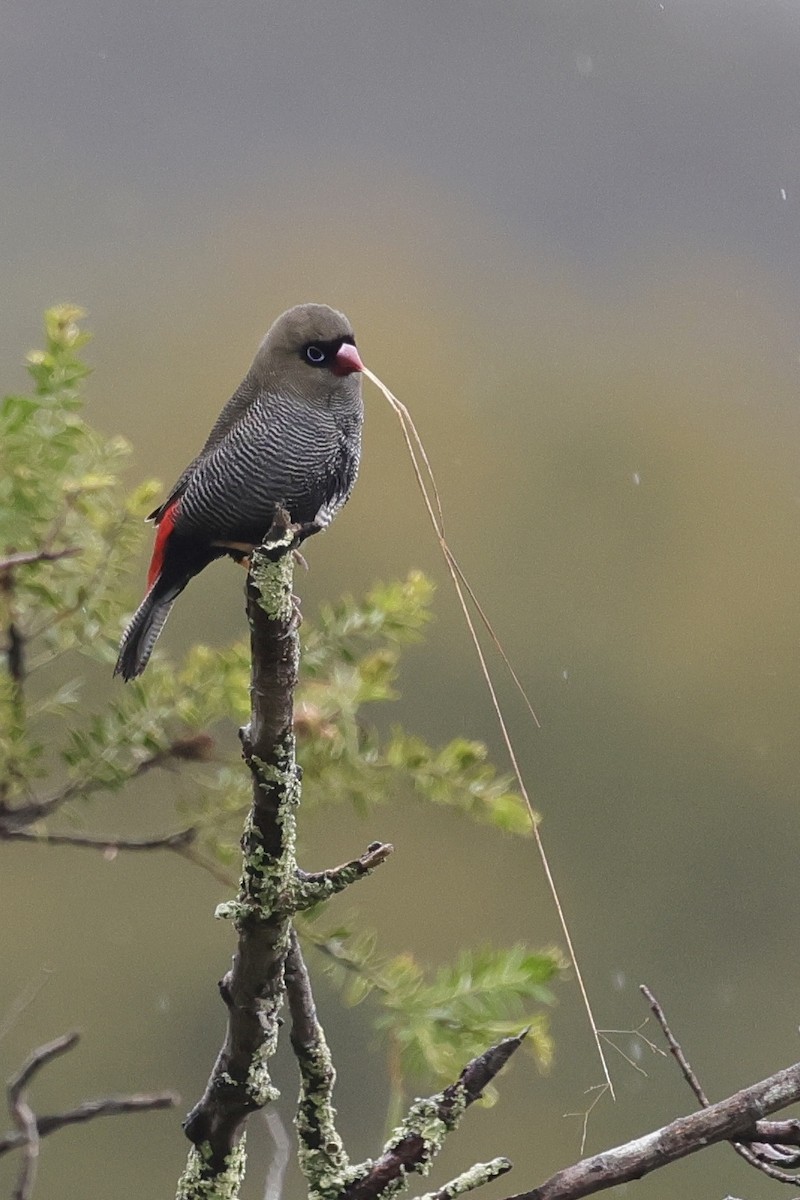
x=734 y=1119
x=109 y=1106
x=760 y=1155
x=675 y=1047
x=23 y=1115
x=27 y=557
x=30 y=1129
x=168 y=841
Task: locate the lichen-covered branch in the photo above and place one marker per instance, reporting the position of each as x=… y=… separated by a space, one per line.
x=253 y=987
x=314 y=887
x=468 y=1181
x=419 y=1139
x=322 y=1156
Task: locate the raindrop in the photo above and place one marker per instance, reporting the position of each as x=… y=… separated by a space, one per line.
x=636 y=477
x=784 y=194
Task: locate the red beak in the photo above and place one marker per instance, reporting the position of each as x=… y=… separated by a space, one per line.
x=347 y=360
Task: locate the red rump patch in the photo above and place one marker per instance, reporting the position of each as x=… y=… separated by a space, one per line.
x=165 y=526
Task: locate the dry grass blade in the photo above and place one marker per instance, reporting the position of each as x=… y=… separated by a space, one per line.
x=433 y=505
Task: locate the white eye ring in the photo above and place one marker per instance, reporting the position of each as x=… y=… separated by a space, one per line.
x=315 y=356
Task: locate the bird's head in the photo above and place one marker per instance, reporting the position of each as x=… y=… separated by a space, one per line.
x=311 y=351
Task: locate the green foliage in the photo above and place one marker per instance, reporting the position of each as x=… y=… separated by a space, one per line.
x=61 y=497
x=435 y=1023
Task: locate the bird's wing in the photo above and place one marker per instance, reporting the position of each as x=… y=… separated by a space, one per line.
x=157 y=515
x=241 y=399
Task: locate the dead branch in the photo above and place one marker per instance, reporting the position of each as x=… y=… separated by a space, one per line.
x=734 y=1119
x=759 y=1154
x=110 y=846
x=30 y=1128
x=27 y=557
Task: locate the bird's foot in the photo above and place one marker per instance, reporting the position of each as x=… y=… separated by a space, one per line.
x=302 y=530
x=299 y=559
x=240 y=552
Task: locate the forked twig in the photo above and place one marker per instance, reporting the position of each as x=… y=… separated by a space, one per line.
x=755 y=1157
x=30 y=1128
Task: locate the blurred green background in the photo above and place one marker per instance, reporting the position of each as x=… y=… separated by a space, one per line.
x=567 y=236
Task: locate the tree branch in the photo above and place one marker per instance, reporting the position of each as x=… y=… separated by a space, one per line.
x=734 y=1119
x=27 y=557
x=419 y=1139
x=197 y=748
x=760 y=1155
x=316 y=886
x=30 y=1129
x=253 y=987
x=168 y=841
x=322 y=1156
x=467 y=1181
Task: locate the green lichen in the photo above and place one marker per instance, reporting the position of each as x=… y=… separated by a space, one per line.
x=475 y=1177
x=424 y=1119
x=200 y=1182
x=259 y=1085
x=322 y=1156
x=314 y=891
x=273 y=581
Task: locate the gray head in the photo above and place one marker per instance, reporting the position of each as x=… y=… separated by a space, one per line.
x=311 y=351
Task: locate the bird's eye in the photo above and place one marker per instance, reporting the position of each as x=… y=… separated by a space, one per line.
x=314 y=355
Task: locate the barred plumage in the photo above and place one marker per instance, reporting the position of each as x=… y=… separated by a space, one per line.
x=290 y=435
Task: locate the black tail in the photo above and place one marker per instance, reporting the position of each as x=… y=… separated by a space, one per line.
x=146 y=624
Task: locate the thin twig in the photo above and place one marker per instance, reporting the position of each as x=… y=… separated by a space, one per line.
x=26 y=557
x=30 y=1129
x=756 y=1153
x=279 y=1162
x=23 y=1001
x=109 y=1106
x=675 y=1047
x=19 y=816
x=110 y=846
x=23 y=1115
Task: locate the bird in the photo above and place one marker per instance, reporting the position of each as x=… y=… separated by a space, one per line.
x=288 y=438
